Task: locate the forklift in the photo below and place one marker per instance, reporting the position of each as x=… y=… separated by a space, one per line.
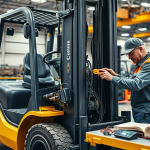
x=44 y=113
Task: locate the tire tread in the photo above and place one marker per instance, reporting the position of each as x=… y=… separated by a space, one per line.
x=61 y=137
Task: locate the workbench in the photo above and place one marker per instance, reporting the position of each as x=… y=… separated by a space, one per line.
x=96 y=137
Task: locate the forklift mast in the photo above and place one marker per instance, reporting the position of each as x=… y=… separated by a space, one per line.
x=94 y=102
x=104 y=54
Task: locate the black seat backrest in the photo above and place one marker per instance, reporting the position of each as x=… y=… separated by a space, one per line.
x=43 y=69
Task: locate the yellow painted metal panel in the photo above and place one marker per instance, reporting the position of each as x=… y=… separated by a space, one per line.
x=139 y=35
x=8 y=133
x=114 y=142
x=15 y=137
x=31 y=118
x=142 y=17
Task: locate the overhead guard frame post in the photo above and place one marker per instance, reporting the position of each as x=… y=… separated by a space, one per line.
x=33 y=64
x=33 y=60
x=1 y=31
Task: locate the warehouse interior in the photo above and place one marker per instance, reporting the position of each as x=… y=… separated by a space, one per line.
x=123 y=32
x=130 y=9
x=132 y=20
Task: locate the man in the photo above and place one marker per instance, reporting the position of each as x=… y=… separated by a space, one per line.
x=138 y=83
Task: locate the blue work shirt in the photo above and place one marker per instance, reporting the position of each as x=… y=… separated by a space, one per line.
x=139 y=84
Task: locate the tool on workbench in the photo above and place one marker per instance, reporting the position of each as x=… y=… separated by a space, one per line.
x=107 y=131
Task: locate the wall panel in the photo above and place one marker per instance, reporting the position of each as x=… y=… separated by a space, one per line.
x=22 y=48
x=19 y=38
x=14 y=59
x=0 y=58
x=15 y=47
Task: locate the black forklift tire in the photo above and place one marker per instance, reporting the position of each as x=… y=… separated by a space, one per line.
x=48 y=136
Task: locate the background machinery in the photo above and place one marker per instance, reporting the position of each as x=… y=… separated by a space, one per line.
x=41 y=112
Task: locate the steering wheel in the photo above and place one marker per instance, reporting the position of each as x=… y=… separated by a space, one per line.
x=52 y=61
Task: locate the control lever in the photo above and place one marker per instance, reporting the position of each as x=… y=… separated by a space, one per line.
x=60 y=97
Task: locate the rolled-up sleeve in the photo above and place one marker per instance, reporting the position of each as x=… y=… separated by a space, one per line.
x=135 y=82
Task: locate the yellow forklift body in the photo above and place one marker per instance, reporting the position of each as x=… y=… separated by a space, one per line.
x=8 y=133
x=14 y=137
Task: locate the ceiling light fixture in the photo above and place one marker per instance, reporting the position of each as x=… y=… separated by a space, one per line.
x=145 y=4
x=148 y=38
x=142 y=29
x=91 y=8
x=123 y=0
x=10 y=10
x=133 y=6
x=126 y=27
x=125 y=34
x=39 y=1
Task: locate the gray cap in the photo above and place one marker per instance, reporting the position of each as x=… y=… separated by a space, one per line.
x=130 y=44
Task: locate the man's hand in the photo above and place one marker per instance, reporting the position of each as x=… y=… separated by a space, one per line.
x=110 y=71
x=104 y=74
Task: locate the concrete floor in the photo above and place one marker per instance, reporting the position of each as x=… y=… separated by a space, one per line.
x=121 y=107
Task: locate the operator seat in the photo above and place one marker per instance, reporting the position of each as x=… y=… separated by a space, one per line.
x=44 y=78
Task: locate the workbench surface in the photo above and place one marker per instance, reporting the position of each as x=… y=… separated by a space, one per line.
x=96 y=137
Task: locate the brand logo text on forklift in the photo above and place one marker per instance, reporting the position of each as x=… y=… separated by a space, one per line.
x=68 y=50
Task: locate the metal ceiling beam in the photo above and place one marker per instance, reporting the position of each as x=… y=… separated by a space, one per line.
x=9 y=4
x=140 y=35
x=2 y=12
x=8 y=7
x=47 y=3
x=43 y=5
x=4 y=2
x=141 y=18
x=20 y=4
